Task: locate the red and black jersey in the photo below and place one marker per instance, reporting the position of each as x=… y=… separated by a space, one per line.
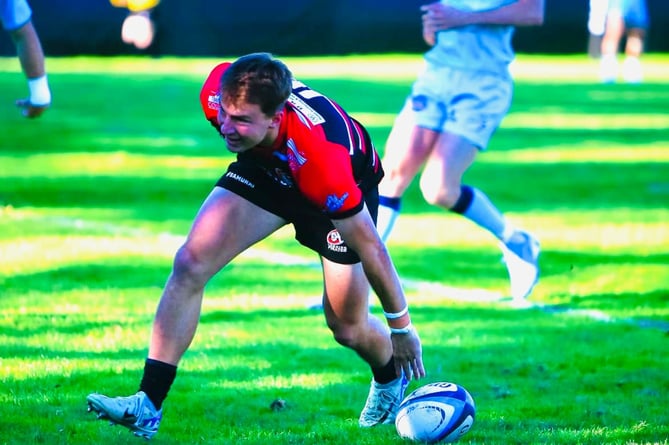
x=321 y=150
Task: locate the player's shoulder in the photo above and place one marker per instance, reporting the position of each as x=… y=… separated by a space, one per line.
x=308 y=105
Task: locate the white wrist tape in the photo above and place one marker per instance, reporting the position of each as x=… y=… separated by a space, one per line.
x=405 y=330
x=394 y=315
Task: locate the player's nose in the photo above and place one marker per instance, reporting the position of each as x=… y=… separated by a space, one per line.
x=225 y=125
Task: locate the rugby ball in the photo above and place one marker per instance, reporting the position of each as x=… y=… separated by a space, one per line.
x=438 y=412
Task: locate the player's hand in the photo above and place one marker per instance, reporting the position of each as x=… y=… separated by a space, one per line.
x=439 y=17
x=138 y=29
x=29 y=110
x=408 y=354
x=429 y=36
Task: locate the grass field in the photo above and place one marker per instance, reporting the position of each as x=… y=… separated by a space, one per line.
x=97 y=194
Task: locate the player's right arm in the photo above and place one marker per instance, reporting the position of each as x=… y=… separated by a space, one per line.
x=361 y=235
x=440 y=17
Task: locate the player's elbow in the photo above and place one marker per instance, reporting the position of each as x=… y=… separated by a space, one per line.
x=536 y=16
x=537 y=20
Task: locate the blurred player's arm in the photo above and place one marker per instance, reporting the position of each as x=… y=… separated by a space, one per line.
x=440 y=17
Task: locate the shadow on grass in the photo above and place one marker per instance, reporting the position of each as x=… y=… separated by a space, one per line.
x=524 y=369
x=572 y=186
x=95 y=277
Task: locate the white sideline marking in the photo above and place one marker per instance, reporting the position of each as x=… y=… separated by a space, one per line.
x=426 y=289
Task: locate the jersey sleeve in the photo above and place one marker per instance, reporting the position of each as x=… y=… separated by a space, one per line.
x=210 y=92
x=325 y=177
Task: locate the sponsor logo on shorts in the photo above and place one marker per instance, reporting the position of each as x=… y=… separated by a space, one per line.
x=236 y=177
x=335 y=242
x=419 y=102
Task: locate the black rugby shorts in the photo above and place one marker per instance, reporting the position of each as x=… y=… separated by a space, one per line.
x=275 y=193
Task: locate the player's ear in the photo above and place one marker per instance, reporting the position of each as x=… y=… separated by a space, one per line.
x=276 y=119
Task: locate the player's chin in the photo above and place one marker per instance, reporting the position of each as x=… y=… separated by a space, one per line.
x=235 y=146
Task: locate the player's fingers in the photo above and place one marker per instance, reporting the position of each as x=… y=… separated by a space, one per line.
x=403 y=367
x=408 y=372
x=418 y=369
x=398 y=369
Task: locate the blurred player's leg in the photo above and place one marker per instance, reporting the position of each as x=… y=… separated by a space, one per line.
x=407 y=148
x=596 y=26
x=615 y=27
x=441 y=185
x=631 y=69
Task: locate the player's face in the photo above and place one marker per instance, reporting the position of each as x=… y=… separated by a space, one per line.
x=244 y=126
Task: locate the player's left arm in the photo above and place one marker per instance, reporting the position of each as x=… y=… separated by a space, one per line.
x=440 y=17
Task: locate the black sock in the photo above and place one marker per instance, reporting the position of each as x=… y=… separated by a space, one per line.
x=464 y=201
x=385 y=374
x=157 y=380
x=393 y=203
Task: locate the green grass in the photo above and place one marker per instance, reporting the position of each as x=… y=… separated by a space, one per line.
x=97 y=194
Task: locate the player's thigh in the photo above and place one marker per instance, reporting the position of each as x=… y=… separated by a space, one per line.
x=228 y=224
x=408 y=144
x=346 y=293
x=615 y=27
x=450 y=159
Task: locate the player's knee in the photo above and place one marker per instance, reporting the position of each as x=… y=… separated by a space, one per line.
x=345 y=335
x=438 y=194
x=396 y=180
x=188 y=265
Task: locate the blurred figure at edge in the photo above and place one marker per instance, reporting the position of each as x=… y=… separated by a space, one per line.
x=629 y=19
x=16 y=17
x=138 y=28
x=596 y=26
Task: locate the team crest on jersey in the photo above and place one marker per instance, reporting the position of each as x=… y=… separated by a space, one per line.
x=334 y=202
x=214 y=101
x=335 y=242
x=418 y=103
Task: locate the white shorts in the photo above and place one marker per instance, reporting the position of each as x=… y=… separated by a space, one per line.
x=14 y=14
x=469 y=104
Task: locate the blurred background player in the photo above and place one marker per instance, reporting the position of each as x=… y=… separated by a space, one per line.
x=629 y=19
x=455 y=105
x=138 y=28
x=596 y=26
x=16 y=18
